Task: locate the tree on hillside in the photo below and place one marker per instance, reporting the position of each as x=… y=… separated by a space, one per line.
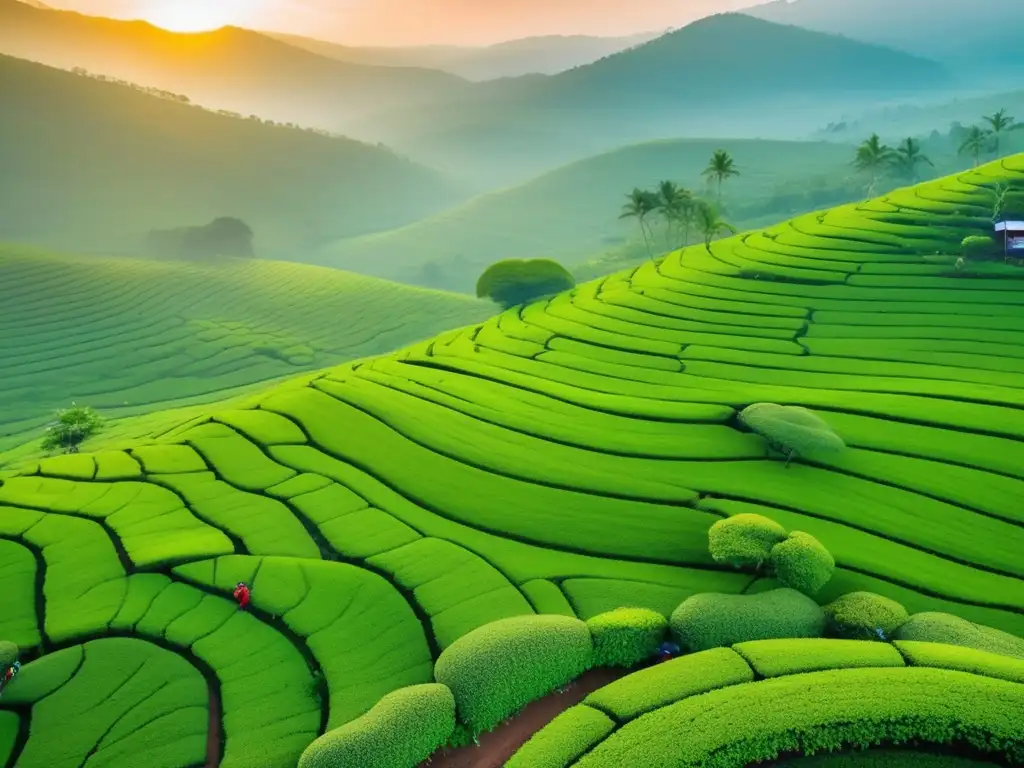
x=72 y=427
x=675 y=205
x=710 y=222
x=976 y=141
x=1000 y=123
x=721 y=166
x=517 y=281
x=639 y=205
x=908 y=157
x=224 y=236
x=873 y=158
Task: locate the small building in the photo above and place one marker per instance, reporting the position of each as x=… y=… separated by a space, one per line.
x=1012 y=236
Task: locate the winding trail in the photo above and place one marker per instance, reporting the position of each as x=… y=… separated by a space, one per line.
x=498 y=746
x=214 y=733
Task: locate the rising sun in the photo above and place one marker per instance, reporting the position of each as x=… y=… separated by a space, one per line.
x=196 y=15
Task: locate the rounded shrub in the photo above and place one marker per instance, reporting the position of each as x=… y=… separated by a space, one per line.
x=864 y=616
x=791 y=430
x=978 y=247
x=626 y=636
x=517 y=281
x=403 y=729
x=497 y=669
x=935 y=627
x=745 y=540
x=802 y=563
x=8 y=654
x=714 y=620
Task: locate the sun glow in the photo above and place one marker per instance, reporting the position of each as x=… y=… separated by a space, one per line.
x=197 y=15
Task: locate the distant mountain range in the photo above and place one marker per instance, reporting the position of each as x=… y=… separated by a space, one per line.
x=547 y=54
x=229 y=68
x=92 y=166
x=976 y=36
x=729 y=74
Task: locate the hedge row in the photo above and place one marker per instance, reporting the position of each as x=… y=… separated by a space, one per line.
x=564 y=739
x=820 y=711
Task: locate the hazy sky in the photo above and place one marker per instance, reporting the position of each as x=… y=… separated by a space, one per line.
x=414 y=22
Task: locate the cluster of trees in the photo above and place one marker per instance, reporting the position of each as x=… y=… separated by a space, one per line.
x=72 y=427
x=518 y=281
x=680 y=209
x=877 y=160
x=225 y=236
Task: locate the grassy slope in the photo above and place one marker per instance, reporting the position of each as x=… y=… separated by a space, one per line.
x=572 y=212
x=94 y=165
x=566 y=457
x=130 y=336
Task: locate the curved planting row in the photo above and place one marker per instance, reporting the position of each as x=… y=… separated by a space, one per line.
x=133 y=336
x=565 y=458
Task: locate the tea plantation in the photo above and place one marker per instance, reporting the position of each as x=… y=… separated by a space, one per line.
x=131 y=336
x=566 y=458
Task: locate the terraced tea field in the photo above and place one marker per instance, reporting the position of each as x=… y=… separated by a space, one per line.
x=133 y=336
x=563 y=458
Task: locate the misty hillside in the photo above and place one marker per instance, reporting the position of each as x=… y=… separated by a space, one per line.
x=547 y=54
x=972 y=36
x=229 y=68
x=92 y=165
x=729 y=74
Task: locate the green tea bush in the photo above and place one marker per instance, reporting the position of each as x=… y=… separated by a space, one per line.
x=403 y=729
x=8 y=654
x=791 y=430
x=802 y=563
x=626 y=636
x=935 y=627
x=497 y=669
x=822 y=711
x=864 y=616
x=772 y=658
x=517 y=281
x=564 y=739
x=744 y=540
x=979 y=247
x=649 y=689
x=713 y=620
x=922 y=654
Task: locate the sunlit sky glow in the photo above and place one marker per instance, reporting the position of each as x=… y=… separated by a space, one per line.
x=413 y=22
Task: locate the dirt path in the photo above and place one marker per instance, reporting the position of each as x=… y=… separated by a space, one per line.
x=214 y=736
x=500 y=744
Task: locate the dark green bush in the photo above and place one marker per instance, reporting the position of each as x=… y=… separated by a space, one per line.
x=979 y=247
x=497 y=669
x=403 y=729
x=864 y=616
x=791 y=430
x=73 y=426
x=934 y=627
x=712 y=620
x=8 y=654
x=517 y=281
x=626 y=636
x=744 y=540
x=802 y=563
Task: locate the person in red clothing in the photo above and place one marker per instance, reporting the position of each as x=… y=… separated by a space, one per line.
x=9 y=674
x=242 y=594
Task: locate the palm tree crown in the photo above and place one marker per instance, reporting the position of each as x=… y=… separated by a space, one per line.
x=676 y=206
x=976 y=141
x=999 y=123
x=908 y=156
x=639 y=205
x=710 y=222
x=720 y=167
x=873 y=157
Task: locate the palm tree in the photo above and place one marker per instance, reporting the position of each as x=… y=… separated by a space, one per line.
x=908 y=156
x=999 y=123
x=873 y=157
x=720 y=167
x=674 y=204
x=974 y=143
x=710 y=222
x=639 y=205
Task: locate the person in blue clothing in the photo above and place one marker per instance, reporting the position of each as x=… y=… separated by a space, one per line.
x=667 y=650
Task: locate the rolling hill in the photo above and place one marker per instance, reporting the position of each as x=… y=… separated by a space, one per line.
x=91 y=165
x=572 y=213
x=727 y=75
x=132 y=336
x=229 y=68
x=977 y=39
x=566 y=457
x=548 y=54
